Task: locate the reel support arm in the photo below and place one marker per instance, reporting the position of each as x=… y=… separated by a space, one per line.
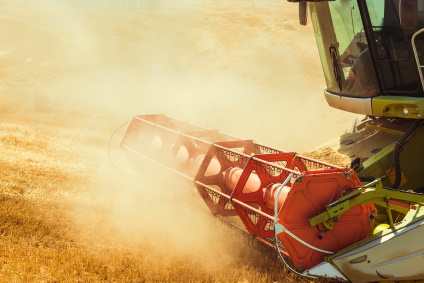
x=367 y=195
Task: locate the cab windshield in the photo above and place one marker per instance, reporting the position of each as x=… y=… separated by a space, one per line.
x=364 y=50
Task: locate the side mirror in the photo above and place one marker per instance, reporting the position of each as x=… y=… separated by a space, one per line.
x=408 y=13
x=303 y=11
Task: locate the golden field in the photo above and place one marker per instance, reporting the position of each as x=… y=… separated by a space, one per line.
x=71 y=73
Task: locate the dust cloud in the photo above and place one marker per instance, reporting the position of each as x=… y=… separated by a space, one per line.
x=246 y=68
x=243 y=67
x=158 y=209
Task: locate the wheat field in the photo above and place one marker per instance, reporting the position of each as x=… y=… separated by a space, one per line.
x=55 y=229
x=71 y=73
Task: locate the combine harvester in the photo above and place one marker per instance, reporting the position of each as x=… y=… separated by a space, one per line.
x=364 y=223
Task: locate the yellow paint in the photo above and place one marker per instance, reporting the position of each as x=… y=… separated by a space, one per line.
x=380 y=228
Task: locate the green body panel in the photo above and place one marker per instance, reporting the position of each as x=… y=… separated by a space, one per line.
x=412 y=164
x=379 y=165
x=394 y=106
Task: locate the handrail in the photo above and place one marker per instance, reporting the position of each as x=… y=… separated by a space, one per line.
x=414 y=48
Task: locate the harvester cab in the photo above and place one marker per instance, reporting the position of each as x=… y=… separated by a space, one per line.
x=362 y=224
x=372 y=55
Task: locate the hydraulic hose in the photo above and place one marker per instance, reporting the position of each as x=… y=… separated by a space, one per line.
x=398 y=148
